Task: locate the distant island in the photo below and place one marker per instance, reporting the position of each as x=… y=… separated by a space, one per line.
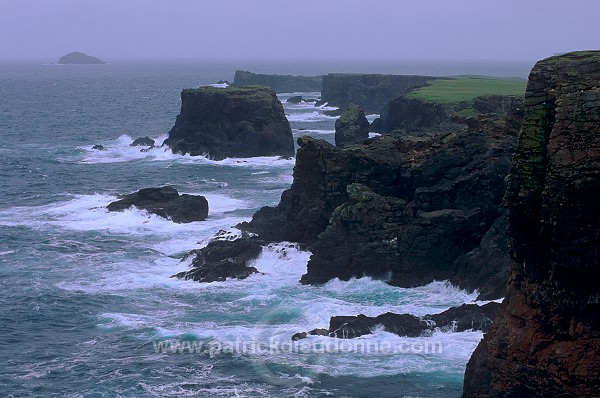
x=79 y=58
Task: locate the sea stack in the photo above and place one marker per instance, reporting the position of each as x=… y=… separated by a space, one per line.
x=76 y=57
x=352 y=127
x=231 y=122
x=545 y=341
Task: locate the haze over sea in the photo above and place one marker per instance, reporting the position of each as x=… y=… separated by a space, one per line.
x=87 y=298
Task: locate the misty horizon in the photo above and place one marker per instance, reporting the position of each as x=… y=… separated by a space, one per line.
x=266 y=30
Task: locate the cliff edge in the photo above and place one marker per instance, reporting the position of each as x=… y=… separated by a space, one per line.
x=546 y=338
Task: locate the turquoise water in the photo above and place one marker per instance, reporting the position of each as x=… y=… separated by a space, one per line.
x=88 y=308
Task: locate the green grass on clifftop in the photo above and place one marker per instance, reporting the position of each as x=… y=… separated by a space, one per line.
x=454 y=90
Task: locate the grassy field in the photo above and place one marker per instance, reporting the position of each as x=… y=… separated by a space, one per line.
x=464 y=88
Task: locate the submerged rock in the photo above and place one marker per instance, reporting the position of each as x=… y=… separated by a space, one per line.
x=165 y=202
x=223 y=259
x=98 y=147
x=143 y=141
x=545 y=341
x=231 y=122
x=352 y=126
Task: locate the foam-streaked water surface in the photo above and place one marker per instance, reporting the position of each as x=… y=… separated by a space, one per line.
x=89 y=308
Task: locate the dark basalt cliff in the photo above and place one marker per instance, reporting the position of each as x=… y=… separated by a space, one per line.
x=546 y=339
x=279 y=83
x=409 y=209
x=231 y=122
x=79 y=58
x=371 y=92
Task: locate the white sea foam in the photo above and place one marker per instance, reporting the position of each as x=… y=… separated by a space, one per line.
x=372 y=117
x=314 y=116
x=311 y=131
x=120 y=151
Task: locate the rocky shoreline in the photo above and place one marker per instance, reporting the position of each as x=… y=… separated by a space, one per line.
x=433 y=198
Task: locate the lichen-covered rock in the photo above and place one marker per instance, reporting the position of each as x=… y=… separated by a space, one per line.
x=352 y=126
x=231 y=122
x=165 y=202
x=546 y=339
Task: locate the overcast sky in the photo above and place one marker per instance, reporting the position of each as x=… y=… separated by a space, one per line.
x=298 y=29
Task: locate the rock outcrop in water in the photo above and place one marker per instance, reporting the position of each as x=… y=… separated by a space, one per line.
x=231 y=122
x=408 y=209
x=222 y=259
x=143 y=141
x=456 y=319
x=79 y=58
x=370 y=91
x=546 y=339
x=351 y=127
x=279 y=83
x=165 y=202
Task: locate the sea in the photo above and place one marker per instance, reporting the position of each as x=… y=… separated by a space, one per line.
x=88 y=305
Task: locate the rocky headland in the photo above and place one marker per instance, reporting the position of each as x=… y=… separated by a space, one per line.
x=279 y=83
x=165 y=202
x=408 y=209
x=231 y=122
x=545 y=341
x=77 y=57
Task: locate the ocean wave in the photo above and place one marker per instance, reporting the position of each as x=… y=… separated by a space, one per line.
x=313 y=131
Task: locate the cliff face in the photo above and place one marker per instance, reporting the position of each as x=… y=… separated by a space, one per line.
x=546 y=339
x=279 y=83
x=406 y=113
x=404 y=208
x=231 y=122
x=371 y=92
